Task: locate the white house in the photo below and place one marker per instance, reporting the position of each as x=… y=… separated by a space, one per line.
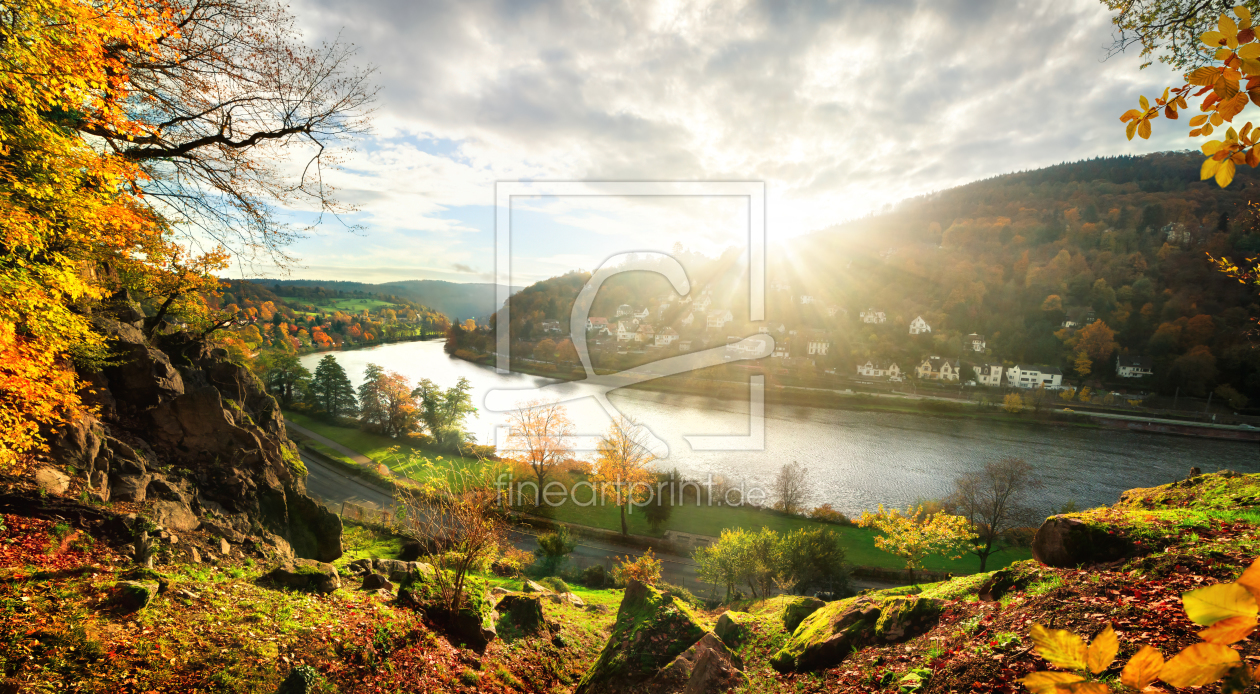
x=550 y=326
x=1133 y=367
x=974 y=342
x=988 y=374
x=938 y=369
x=684 y=345
x=918 y=326
x=872 y=315
x=594 y=323
x=703 y=303
x=666 y=337
x=624 y=310
x=833 y=310
x=874 y=368
x=645 y=333
x=1026 y=376
x=736 y=348
x=690 y=318
x=817 y=343
x=642 y=313
x=625 y=331
x=719 y=318
x=782 y=348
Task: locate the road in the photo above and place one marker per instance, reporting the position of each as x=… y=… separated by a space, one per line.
x=334 y=488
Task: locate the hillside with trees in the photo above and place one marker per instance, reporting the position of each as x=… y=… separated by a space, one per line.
x=1070 y=267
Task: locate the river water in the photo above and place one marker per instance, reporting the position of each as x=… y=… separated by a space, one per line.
x=856 y=459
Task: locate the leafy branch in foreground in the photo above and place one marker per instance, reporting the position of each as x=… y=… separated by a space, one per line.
x=1229 y=612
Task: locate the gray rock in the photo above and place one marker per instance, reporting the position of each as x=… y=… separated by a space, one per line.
x=797 y=610
x=129 y=487
x=196 y=556
x=77 y=444
x=302 y=679
x=1066 y=542
x=733 y=627
x=224 y=547
x=52 y=481
x=175 y=515
x=531 y=587
x=525 y=612
x=708 y=667
x=308 y=576
x=376 y=582
x=131 y=596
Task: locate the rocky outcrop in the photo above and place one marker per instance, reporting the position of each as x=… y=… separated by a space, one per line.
x=471 y=624
x=131 y=596
x=1068 y=542
x=830 y=634
x=733 y=627
x=651 y=631
x=525 y=612
x=307 y=576
x=196 y=437
x=796 y=611
x=393 y=569
x=708 y=667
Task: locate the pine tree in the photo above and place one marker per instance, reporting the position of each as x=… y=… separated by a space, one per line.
x=332 y=390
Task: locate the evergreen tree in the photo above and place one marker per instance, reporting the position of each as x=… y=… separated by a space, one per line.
x=332 y=390
x=285 y=377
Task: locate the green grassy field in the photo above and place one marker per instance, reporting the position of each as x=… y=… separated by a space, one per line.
x=351 y=305
x=399 y=456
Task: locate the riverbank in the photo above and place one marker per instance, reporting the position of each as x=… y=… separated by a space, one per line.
x=374 y=343
x=1057 y=413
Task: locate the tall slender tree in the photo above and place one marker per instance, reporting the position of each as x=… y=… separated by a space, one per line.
x=331 y=389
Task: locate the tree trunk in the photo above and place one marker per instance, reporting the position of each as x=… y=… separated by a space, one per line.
x=624 y=531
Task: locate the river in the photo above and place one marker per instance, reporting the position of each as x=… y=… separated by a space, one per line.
x=856 y=459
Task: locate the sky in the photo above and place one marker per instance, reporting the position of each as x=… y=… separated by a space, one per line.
x=840 y=109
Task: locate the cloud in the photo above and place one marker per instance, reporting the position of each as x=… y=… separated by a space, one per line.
x=841 y=108
x=460 y=267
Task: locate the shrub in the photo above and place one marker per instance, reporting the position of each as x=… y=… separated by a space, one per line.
x=596 y=576
x=553 y=548
x=680 y=593
x=512 y=563
x=646 y=569
x=828 y=514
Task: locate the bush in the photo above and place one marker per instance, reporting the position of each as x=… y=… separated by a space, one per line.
x=553 y=548
x=596 y=576
x=512 y=563
x=646 y=569
x=555 y=583
x=680 y=593
x=827 y=514
x=1020 y=537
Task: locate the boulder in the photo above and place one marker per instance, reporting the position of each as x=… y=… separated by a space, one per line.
x=528 y=586
x=129 y=487
x=472 y=624
x=830 y=634
x=306 y=576
x=525 y=612
x=1015 y=577
x=224 y=547
x=376 y=582
x=77 y=444
x=175 y=515
x=798 y=609
x=50 y=480
x=708 y=667
x=1067 y=542
x=393 y=569
x=652 y=629
x=573 y=599
x=499 y=591
x=131 y=596
x=733 y=627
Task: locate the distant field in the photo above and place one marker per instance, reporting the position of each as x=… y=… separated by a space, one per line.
x=345 y=305
x=381 y=449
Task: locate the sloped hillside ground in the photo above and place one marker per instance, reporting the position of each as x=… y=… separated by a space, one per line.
x=214 y=627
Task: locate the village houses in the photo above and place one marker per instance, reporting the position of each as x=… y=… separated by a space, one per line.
x=938 y=369
x=817 y=343
x=645 y=334
x=872 y=315
x=666 y=337
x=1026 y=376
x=718 y=319
x=988 y=374
x=550 y=326
x=874 y=368
x=595 y=323
x=625 y=331
x=624 y=310
x=1133 y=367
x=974 y=342
x=918 y=326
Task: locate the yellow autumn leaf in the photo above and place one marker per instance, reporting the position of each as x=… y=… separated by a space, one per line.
x=1059 y=647
x=1208 y=169
x=1217 y=119
x=1203 y=76
x=1250 y=579
x=1049 y=682
x=1249 y=52
x=1207 y=129
x=1102 y=650
x=1227 y=26
x=1133 y=113
x=1197 y=121
x=1229 y=630
x=1225 y=174
x=1210 y=605
x=1222 y=53
x=1233 y=106
x=1144 y=129
x=1086 y=688
x=1212 y=38
x=1143 y=668
x=1146 y=105
x=1199 y=664
x=1130 y=129
x=1243 y=13
x=1212 y=146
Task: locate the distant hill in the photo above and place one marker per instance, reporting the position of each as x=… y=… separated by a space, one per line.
x=456 y=300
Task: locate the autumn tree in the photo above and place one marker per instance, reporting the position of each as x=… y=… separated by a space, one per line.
x=385 y=402
x=331 y=388
x=443 y=409
x=915 y=535
x=284 y=376
x=621 y=466
x=995 y=499
x=790 y=487
x=541 y=432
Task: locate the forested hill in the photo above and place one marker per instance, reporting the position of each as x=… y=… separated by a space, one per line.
x=457 y=300
x=1124 y=240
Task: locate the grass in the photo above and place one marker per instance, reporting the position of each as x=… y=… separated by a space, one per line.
x=354 y=305
x=381 y=449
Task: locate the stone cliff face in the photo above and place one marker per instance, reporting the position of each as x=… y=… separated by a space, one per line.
x=197 y=436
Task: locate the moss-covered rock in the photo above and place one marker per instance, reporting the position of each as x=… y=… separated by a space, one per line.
x=472 y=624
x=525 y=612
x=652 y=629
x=708 y=667
x=131 y=596
x=1015 y=577
x=797 y=610
x=310 y=576
x=733 y=627
x=831 y=633
x=1068 y=542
